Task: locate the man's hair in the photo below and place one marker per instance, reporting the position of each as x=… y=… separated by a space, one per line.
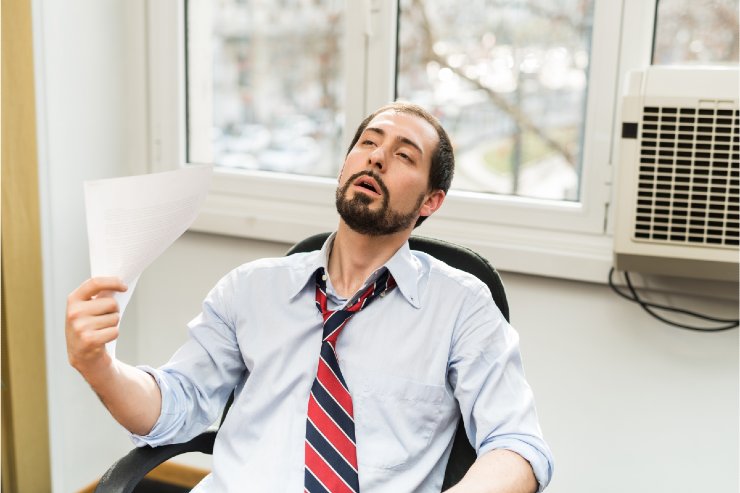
x=443 y=159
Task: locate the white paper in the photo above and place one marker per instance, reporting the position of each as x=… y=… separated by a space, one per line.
x=131 y=221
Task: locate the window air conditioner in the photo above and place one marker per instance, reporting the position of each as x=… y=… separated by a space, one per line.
x=677 y=189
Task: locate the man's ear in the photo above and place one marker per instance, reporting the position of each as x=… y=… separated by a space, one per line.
x=432 y=202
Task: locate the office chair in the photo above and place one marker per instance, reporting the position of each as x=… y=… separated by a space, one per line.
x=124 y=475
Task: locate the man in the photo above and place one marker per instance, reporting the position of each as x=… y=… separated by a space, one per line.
x=367 y=403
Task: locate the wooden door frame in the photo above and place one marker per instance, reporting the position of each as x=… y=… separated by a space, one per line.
x=25 y=424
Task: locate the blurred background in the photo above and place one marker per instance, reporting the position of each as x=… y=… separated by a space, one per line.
x=507 y=79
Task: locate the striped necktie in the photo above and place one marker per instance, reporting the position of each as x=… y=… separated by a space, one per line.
x=331 y=453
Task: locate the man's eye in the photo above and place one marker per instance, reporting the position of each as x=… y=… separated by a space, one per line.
x=368 y=142
x=404 y=156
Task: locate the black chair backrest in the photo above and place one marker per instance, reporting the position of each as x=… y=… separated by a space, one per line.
x=463 y=454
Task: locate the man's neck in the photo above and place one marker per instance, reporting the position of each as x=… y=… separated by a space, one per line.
x=355 y=256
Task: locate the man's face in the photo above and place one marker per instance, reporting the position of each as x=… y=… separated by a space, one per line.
x=384 y=183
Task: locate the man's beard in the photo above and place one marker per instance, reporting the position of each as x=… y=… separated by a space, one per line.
x=383 y=221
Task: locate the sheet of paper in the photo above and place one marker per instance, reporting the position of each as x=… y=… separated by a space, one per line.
x=132 y=220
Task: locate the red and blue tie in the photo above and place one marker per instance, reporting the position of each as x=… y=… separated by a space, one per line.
x=331 y=452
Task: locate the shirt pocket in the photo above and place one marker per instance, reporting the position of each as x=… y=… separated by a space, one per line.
x=394 y=418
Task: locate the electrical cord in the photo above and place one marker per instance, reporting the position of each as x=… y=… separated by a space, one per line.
x=648 y=307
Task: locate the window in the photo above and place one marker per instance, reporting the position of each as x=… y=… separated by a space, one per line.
x=509 y=82
x=271 y=92
x=696 y=32
x=276 y=91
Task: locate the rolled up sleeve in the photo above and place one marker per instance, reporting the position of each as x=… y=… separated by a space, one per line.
x=488 y=379
x=197 y=381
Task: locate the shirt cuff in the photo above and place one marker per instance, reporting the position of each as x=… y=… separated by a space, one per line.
x=161 y=432
x=540 y=461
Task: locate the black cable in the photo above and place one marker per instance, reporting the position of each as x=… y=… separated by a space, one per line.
x=662 y=307
x=647 y=306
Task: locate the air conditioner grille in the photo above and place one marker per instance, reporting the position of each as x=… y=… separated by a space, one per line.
x=688 y=189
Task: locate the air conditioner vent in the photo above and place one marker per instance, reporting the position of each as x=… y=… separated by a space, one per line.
x=688 y=187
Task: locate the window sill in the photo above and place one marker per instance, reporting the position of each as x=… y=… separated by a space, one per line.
x=286 y=208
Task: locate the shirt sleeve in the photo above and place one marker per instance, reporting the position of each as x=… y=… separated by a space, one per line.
x=197 y=381
x=488 y=379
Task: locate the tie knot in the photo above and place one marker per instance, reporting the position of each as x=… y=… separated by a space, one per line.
x=334 y=320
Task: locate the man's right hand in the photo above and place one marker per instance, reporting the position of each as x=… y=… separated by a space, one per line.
x=131 y=395
x=92 y=321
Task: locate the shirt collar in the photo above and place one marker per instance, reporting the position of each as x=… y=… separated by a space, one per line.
x=314 y=262
x=404 y=267
x=406 y=270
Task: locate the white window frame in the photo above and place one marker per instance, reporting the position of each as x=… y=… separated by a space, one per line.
x=559 y=239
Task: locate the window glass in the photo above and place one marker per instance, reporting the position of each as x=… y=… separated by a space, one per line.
x=276 y=90
x=696 y=32
x=509 y=82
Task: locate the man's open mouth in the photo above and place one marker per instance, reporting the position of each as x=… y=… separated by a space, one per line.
x=368 y=184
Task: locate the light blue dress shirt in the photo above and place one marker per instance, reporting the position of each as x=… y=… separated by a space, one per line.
x=410 y=359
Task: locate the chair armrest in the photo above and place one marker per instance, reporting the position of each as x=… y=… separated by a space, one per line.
x=125 y=474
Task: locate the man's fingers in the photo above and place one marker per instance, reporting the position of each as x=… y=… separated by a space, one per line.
x=90 y=288
x=102 y=336
x=85 y=327
x=92 y=321
x=97 y=306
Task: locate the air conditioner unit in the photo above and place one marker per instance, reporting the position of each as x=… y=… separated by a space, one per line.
x=677 y=193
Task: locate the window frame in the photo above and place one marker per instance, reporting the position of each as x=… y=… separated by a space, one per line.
x=558 y=239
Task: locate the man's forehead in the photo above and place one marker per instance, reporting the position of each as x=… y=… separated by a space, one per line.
x=407 y=125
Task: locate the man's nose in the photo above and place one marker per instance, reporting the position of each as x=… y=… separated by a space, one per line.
x=377 y=158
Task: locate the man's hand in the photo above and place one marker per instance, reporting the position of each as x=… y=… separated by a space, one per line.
x=92 y=321
x=131 y=395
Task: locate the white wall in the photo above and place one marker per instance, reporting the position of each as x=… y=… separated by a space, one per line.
x=627 y=404
x=90 y=64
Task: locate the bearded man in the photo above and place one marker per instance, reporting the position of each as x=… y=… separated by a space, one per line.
x=349 y=365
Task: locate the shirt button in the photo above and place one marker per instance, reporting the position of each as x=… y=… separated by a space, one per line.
x=323 y=277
